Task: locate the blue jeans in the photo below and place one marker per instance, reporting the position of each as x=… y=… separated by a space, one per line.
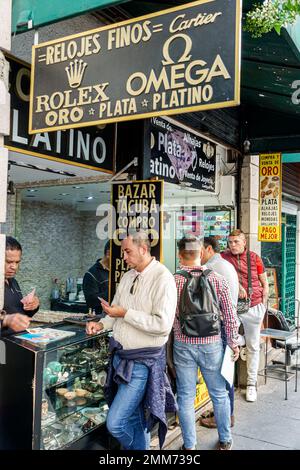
x=187 y=359
x=126 y=417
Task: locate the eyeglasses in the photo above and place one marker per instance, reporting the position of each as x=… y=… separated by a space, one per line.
x=134 y=285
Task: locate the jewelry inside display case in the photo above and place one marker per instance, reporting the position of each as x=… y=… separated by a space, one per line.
x=66 y=396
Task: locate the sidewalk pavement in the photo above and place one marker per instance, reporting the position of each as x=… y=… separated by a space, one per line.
x=271 y=423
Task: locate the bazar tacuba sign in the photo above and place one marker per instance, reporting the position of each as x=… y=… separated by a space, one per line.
x=137 y=205
x=179 y=155
x=89 y=147
x=179 y=60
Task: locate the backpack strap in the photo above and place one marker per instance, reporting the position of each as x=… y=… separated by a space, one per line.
x=183 y=273
x=188 y=274
x=207 y=272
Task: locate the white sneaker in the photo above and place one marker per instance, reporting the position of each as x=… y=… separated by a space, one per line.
x=251 y=394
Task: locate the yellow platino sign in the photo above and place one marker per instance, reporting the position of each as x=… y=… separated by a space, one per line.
x=269 y=229
x=178 y=60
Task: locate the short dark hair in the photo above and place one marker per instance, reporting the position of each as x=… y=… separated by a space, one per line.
x=140 y=237
x=189 y=247
x=106 y=247
x=213 y=242
x=12 y=244
x=237 y=232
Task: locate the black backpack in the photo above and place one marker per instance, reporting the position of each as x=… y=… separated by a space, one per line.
x=199 y=310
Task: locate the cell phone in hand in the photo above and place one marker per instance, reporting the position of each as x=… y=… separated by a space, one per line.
x=104 y=302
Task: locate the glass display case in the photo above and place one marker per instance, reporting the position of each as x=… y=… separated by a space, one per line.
x=218 y=223
x=52 y=395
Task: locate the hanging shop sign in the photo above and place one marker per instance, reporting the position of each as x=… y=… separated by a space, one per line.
x=181 y=156
x=179 y=60
x=88 y=147
x=270 y=172
x=135 y=205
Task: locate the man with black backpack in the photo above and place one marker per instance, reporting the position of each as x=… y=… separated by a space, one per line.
x=203 y=296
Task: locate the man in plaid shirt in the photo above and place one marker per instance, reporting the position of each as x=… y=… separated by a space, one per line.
x=189 y=353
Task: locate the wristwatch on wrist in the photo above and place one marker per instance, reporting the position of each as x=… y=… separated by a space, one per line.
x=2 y=316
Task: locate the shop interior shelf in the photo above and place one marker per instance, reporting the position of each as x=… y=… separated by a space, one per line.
x=66 y=412
x=84 y=433
x=81 y=430
x=75 y=376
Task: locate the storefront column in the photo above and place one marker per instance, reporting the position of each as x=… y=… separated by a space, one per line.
x=298 y=258
x=249 y=224
x=249 y=201
x=5 y=43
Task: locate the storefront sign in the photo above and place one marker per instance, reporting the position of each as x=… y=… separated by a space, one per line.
x=269 y=228
x=89 y=147
x=179 y=60
x=181 y=156
x=136 y=205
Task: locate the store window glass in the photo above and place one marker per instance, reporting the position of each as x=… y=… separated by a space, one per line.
x=60 y=230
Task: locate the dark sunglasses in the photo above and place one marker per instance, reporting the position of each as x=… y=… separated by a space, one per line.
x=133 y=285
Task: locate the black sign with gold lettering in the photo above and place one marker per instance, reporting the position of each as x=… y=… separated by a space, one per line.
x=174 y=61
x=88 y=147
x=136 y=205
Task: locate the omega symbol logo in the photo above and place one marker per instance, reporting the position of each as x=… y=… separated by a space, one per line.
x=185 y=56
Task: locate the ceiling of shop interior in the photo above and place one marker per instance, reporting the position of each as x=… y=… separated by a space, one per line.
x=33 y=169
x=81 y=197
x=86 y=196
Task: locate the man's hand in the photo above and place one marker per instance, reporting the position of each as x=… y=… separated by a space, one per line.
x=32 y=305
x=236 y=353
x=114 y=310
x=242 y=292
x=16 y=321
x=92 y=327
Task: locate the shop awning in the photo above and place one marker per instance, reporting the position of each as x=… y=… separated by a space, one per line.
x=28 y=14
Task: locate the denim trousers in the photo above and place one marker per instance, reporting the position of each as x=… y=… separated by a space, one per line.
x=187 y=359
x=126 y=417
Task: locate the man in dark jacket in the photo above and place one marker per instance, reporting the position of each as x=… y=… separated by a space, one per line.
x=17 y=309
x=95 y=282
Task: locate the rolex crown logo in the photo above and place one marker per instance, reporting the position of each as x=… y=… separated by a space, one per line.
x=75 y=71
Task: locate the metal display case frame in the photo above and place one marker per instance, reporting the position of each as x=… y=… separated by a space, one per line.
x=32 y=413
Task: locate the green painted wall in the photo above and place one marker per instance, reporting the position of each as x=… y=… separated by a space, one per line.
x=46 y=12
